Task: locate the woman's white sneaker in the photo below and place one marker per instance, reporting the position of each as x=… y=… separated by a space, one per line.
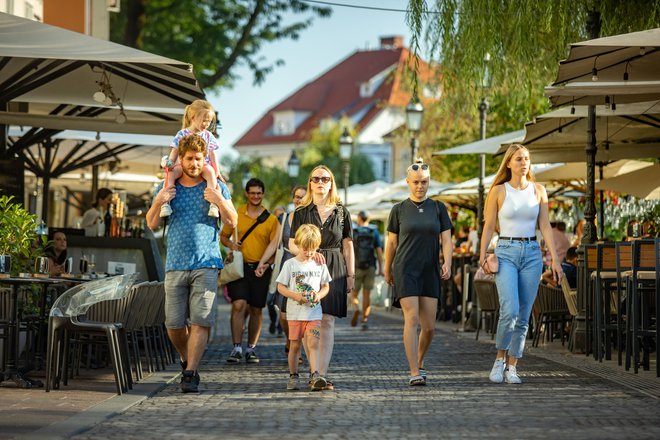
x=497 y=372
x=511 y=376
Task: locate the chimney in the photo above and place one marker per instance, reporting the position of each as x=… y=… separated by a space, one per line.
x=391 y=42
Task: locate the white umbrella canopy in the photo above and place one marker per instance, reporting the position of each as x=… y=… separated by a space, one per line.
x=643 y=183
x=578 y=171
x=631 y=131
x=624 y=68
x=485 y=146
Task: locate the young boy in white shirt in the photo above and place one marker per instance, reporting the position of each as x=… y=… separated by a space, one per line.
x=304 y=282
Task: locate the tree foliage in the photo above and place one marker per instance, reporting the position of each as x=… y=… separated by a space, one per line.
x=215 y=36
x=526 y=39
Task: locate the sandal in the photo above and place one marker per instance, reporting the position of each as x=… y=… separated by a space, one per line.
x=329 y=386
x=422 y=372
x=416 y=381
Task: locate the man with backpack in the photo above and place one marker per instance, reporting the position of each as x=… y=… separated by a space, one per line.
x=368 y=251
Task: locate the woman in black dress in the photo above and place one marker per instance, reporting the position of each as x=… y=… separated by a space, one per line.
x=415 y=229
x=322 y=207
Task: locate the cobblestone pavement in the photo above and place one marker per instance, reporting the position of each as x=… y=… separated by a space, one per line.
x=372 y=398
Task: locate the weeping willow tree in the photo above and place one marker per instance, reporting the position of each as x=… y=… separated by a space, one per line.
x=525 y=40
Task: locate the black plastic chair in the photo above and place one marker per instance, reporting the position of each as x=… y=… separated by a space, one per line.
x=489 y=304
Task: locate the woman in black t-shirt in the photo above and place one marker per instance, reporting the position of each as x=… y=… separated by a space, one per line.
x=412 y=264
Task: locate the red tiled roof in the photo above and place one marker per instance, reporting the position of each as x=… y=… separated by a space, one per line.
x=337 y=93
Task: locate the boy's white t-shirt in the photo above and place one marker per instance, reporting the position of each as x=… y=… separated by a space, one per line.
x=299 y=277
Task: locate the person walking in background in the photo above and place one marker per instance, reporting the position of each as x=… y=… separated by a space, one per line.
x=197 y=118
x=56 y=254
x=562 y=243
x=517 y=203
x=305 y=283
x=368 y=249
x=322 y=207
x=193 y=256
x=256 y=228
x=416 y=228
x=94 y=218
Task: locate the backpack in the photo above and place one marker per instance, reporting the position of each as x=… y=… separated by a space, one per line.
x=364 y=243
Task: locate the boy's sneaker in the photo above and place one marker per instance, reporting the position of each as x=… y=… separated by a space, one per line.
x=497 y=372
x=316 y=382
x=511 y=376
x=294 y=382
x=190 y=381
x=251 y=357
x=365 y=326
x=213 y=211
x=165 y=210
x=235 y=356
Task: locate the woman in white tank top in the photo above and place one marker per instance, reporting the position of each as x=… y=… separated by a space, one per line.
x=518 y=204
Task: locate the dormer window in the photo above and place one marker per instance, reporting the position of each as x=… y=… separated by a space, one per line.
x=369 y=87
x=287 y=121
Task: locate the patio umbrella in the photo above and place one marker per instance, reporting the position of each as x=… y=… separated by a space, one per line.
x=603 y=92
x=485 y=146
x=642 y=183
x=578 y=170
x=631 y=131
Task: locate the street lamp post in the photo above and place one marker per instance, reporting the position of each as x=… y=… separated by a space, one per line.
x=414 y=115
x=345 y=150
x=293 y=168
x=483 y=112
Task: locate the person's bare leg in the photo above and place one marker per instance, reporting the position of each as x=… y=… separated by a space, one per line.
x=327 y=343
x=254 y=325
x=410 y=307
x=427 y=311
x=237 y=320
x=173 y=175
x=208 y=173
x=294 y=354
x=366 y=304
x=179 y=338
x=197 y=340
x=312 y=348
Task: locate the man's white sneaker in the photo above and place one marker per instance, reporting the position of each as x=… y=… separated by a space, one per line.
x=213 y=211
x=511 y=375
x=497 y=372
x=165 y=210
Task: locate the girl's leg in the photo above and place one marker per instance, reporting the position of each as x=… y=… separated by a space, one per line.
x=428 y=308
x=312 y=343
x=173 y=175
x=327 y=343
x=294 y=353
x=507 y=290
x=208 y=173
x=528 y=283
x=410 y=308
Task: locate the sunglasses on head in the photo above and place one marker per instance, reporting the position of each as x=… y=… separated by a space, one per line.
x=317 y=179
x=419 y=166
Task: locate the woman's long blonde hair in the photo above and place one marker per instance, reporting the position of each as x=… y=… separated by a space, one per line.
x=333 y=194
x=504 y=173
x=194 y=108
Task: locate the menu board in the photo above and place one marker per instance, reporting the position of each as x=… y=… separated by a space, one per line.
x=12 y=179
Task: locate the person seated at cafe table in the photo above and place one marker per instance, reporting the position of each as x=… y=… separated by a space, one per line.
x=56 y=253
x=569 y=266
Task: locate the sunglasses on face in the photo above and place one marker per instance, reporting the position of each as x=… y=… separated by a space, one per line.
x=418 y=166
x=317 y=179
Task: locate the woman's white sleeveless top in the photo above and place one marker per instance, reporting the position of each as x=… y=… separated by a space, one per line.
x=519 y=212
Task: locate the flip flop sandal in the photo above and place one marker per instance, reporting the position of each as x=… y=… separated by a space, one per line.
x=417 y=381
x=422 y=372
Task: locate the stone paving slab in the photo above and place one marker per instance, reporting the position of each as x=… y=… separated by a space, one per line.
x=372 y=398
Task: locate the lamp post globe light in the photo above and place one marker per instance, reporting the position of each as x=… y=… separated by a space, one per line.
x=293 y=167
x=414 y=115
x=345 y=150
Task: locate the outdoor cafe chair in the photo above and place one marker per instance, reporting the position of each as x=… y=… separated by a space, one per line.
x=643 y=303
x=604 y=280
x=570 y=296
x=68 y=314
x=551 y=308
x=489 y=304
x=623 y=268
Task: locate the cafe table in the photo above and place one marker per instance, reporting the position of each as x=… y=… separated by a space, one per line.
x=12 y=371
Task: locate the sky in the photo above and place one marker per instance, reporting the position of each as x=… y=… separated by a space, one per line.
x=326 y=42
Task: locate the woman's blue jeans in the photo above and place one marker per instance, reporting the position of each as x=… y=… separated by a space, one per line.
x=520 y=267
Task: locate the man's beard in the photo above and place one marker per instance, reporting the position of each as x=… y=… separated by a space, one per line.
x=187 y=172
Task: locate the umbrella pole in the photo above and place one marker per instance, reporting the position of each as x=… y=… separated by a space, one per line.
x=601 y=221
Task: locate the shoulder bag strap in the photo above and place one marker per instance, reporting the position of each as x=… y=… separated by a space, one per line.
x=279 y=239
x=262 y=218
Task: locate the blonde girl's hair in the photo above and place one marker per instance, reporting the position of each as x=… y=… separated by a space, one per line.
x=193 y=109
x=504 y=173
x=419 y=162
x=308 y=237
x=333 y=194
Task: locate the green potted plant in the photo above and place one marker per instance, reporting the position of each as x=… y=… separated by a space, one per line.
x=19 y=241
